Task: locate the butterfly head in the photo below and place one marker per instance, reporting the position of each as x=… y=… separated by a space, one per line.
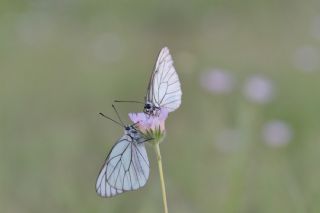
x=127 y=128
x=132 y=131
x=150 y=108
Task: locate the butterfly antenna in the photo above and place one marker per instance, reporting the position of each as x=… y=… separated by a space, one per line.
x=103 y=115
x=139 y=102
x=135 y=123
x=118 y=114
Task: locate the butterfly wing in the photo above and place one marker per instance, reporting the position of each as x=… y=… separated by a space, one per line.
x=164 y=88
x=103 y=188
x=126 y=168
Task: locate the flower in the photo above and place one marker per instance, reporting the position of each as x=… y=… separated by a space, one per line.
x=217 y=81
x=152 y=126
x=276 y=133
x=259 y=89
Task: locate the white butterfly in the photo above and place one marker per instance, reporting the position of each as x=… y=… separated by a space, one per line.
x=126 y=167
x=164 y=90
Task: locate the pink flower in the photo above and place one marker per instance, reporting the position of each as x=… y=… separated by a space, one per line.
x=217 y=81
x=259 y=89
x=277 y=133
x=149 y=123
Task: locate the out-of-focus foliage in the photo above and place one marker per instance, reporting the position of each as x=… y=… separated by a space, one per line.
x=62 y=62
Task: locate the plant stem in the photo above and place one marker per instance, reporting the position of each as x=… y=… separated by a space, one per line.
x=163 y=188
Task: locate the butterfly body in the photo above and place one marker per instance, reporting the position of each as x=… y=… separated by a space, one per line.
x=132 y=132
x=151 y=109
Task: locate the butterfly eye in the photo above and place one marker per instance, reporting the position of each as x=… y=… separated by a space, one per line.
x=127 y=128
x=148 y=106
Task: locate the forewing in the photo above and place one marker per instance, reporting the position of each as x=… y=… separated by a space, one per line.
x=164 y=88
x=126 y=168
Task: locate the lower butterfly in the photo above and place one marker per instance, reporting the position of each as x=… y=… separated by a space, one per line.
x=126 y=167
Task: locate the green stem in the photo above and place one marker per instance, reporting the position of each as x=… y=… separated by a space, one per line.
x=246 y=124
x=163 y=188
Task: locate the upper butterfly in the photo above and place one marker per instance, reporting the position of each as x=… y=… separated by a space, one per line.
x=164 y=90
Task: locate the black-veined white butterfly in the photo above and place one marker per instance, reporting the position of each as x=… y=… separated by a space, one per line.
x=126 y=167
x=164 y=90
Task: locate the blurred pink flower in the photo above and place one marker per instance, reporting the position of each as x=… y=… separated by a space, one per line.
x=307 y=58
x=276 y=133
x=149 y=123
x=217 y=81
x=259 y=89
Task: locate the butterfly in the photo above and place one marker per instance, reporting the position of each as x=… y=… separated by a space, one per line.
x=164 y=89
x=126 y=167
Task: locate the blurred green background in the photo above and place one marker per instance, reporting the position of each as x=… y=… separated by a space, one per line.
x=62 y=62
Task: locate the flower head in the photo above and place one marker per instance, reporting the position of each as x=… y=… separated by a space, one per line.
x=152 y=126
x=217 y=81
x=259 y=89
x=277 y=133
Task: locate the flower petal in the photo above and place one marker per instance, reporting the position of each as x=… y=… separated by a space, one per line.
x=163 y=114
x=150 y=123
